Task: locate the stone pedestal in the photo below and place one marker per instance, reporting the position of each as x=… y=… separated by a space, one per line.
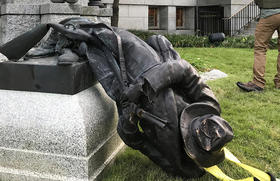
x=19 y=17
x=52 y=136
x=16 y=19
x=43 y=75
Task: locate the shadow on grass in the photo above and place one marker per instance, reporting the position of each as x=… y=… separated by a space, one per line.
x=131 y=165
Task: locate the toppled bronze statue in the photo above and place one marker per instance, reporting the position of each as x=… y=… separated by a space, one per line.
x=165 y=110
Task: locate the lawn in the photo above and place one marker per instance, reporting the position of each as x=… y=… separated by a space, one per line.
x=254 y=118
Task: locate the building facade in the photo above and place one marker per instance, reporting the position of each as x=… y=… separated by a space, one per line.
x=201 y=17
x=177 y=16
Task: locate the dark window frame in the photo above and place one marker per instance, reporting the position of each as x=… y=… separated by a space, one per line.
x=180 y=17
x=153 y=17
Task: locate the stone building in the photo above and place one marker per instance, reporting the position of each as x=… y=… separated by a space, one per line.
x=177 y=16
x=200 y=17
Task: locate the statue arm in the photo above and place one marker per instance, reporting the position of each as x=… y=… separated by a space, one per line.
x=181 y=74
x=132 y=137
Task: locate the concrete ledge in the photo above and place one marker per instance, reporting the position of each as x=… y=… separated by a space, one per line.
x=42 y=166
x=96 y=11
x=90 y=10
x=68 y=9
x=106 y=12
x=20 y=9
x=25 y=1
x=57 y=8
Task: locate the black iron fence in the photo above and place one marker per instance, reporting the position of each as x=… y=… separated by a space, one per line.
x=236 y=23
x=209 y=20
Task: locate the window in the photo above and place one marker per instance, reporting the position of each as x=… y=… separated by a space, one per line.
x=180 y=17
x=153 y=17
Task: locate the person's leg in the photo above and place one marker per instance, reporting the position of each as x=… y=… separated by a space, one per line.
x=264 y=30
x=277 y=76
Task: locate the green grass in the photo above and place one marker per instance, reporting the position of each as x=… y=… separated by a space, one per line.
x=254 y=118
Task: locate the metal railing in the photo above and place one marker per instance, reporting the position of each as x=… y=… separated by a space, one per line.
x=237 y=22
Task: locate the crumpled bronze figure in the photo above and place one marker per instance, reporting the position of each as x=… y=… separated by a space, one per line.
x=165 y=110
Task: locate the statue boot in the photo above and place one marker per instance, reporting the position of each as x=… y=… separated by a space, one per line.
x=67 y=57
x=71 y=1
x=63 y=1
x=58 y=1
x=45 y=49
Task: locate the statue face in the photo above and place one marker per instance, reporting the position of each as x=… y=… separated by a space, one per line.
x=212 y=133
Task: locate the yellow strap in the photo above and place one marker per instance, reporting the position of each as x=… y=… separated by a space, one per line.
x=254 y=171
x=218 y=173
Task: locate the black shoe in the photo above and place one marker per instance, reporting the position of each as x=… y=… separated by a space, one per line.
x=277 y=84
x=68 y=57
x=249 y=87
x=45 y=49
x=71 y=1
x=58 y=1
x=63 y=1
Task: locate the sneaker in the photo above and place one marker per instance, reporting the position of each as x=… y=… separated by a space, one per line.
x=249 y=87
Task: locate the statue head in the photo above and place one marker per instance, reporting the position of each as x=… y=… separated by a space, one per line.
x=204 y=134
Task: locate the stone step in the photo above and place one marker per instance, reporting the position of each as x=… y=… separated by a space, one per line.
x=249 y=30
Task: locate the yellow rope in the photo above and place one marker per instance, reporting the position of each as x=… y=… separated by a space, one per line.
x=218 y=173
